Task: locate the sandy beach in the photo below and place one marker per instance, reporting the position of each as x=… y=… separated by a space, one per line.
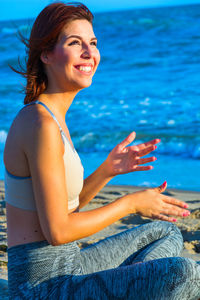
x=190 y=226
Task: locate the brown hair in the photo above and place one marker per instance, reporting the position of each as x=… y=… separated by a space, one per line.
x=44 y=35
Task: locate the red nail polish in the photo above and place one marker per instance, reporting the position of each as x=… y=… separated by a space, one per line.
x=174 y=220
x=185 y=206
x=186 y=214
x=164 y=183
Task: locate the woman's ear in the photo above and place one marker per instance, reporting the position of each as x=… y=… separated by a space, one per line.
x=45 y=58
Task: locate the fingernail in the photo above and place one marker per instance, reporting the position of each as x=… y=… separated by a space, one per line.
x=164 y=183
x=186 y=214
x=174 y=220
x=185 y=206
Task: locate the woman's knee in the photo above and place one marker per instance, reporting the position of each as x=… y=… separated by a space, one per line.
x=168 y=233
x=180 y=276
x=192 y=269
x=186 y=269
x=185 y=276
x=168 y=228
x=162 y=228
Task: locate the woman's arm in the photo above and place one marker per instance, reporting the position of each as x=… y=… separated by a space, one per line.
x=121 y=160
x=44 y=150
x=93 y=184
x=149 y=203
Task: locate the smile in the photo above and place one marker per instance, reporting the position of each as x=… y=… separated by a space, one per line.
x=85 y=69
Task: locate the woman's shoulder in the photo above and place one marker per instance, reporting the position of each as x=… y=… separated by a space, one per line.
x=37 y=125
x=32 y=120
x=33 y=116
x=31 y=128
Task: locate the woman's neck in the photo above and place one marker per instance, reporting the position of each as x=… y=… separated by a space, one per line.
x=59 y=103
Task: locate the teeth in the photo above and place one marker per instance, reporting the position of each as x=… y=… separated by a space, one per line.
x=85 y=69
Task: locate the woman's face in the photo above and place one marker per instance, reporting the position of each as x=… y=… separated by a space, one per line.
x=75 y=57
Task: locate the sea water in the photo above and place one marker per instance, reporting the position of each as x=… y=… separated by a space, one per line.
x=148 y=81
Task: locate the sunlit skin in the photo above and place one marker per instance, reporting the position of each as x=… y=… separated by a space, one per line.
x=125 y=159
x=70 y=68
x=77 y=46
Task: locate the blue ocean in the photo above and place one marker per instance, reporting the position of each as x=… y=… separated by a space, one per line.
x=148 y=81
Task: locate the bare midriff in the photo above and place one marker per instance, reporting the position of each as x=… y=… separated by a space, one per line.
x=23 y=226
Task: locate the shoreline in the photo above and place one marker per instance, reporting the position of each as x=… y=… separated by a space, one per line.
x=190 y=226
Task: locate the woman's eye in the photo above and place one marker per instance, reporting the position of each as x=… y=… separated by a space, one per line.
x=94 y=44
x=76 y=42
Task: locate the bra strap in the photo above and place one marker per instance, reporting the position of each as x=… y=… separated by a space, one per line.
x=52 y=114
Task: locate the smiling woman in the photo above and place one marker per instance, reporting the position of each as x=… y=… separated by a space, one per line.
x=45 y=189
x=75 y=58
x=48 y=34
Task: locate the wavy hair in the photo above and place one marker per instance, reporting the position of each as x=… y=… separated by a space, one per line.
x=43 y=38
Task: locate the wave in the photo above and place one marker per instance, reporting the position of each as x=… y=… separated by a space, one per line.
x=3 y=136
x=178 y=148
x=92 y=142
x=7 y=30
x=14 y=29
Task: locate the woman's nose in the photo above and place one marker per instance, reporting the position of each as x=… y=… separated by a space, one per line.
x=87 y=52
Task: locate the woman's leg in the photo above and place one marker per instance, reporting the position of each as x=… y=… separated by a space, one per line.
x=41 y=271
x=173 y=278
x=146 y=242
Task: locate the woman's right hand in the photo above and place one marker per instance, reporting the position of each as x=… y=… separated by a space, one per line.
x=152 y=204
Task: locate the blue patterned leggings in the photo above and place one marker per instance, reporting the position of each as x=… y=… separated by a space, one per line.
x=140 y=264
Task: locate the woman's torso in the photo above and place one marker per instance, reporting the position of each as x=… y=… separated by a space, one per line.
x=23 y=226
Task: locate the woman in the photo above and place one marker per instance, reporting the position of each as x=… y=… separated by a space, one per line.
x=45 y=188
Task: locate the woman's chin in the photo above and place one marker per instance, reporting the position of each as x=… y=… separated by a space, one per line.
x=79 y=85
x=85 y=83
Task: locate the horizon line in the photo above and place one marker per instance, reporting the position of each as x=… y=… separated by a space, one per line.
x=162 y=6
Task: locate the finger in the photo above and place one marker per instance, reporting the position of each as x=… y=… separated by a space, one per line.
x=142 y=161
x=146 y=150
x=174 y=211
x=128 y=139
x=161 y=188
x=175 y=201
x=166 y=218
x=143 y=168
x=152 y=142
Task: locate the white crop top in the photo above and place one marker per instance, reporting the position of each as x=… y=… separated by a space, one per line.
x=19 y=190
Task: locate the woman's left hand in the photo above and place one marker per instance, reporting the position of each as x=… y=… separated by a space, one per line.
x=123 y=159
